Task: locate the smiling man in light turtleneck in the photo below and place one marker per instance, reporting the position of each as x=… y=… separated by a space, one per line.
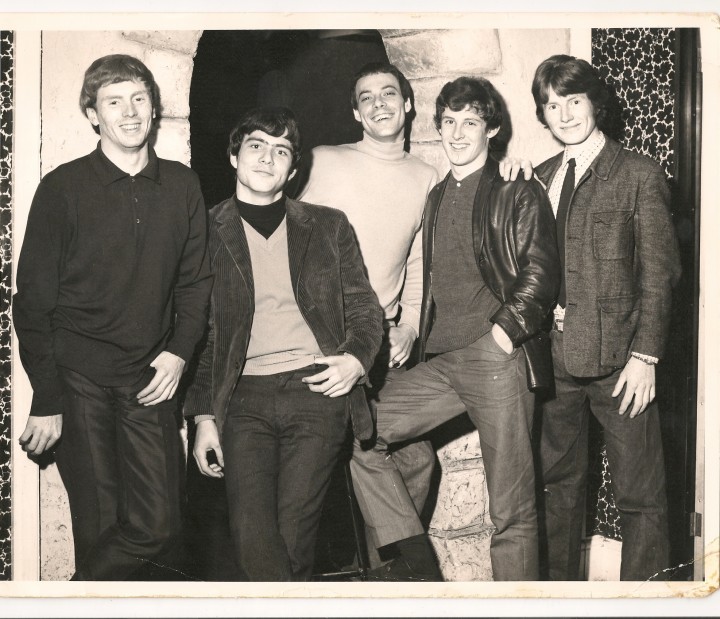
x=382 y=189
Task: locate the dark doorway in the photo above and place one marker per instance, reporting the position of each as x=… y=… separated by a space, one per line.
x=311 y=72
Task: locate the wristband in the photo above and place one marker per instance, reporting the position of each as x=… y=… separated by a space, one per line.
x=647 y=359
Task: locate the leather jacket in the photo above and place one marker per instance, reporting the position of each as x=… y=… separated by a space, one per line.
x=516 y=253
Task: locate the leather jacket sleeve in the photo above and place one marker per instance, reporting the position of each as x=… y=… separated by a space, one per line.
x=521 y=257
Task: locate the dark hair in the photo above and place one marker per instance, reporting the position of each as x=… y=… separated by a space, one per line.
x=375 y=68
x=476 y=92
x=568 y=75
x=275 y=121
x=113 y=69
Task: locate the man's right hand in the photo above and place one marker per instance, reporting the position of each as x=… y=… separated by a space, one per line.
x=206 y=439
x=41 y=433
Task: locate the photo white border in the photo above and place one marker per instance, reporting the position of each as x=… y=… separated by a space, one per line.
x=709 y=374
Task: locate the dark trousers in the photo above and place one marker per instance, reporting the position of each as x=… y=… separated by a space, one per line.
x=635 y=458
x=492 y=386
x=120 y=463
x=415 y=460
x=281 y=442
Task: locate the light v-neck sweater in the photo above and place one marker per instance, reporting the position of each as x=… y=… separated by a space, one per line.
x=280 y=339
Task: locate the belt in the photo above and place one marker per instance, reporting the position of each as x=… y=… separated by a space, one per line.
x=558 y=324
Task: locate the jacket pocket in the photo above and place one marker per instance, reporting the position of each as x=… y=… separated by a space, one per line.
x=612 y=235
x=618 y=322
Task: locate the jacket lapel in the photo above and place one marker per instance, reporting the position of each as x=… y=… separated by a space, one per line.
x=431 y=220
x=299 y=230
x=547 y=170
x=232 y=233
x=482 y=199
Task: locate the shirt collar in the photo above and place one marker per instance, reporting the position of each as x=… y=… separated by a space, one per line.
x=585 y=152
x=472 y=179
x=109 y=172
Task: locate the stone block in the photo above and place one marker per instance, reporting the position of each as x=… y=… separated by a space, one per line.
x=173 y=74
x=460 y=450
x=390 y=33
x=465 y=558
x=462 y=499
x=173 y=140
x=184 y=41
x=429 y=53
x=57 y=559
x=426 y=91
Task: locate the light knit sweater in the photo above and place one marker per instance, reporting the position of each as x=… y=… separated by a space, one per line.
x=280 y=339
x=382 y=190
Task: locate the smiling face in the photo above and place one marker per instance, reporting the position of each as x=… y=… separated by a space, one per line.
x=123 y=113
x=380 y=107
x=263 y=167
x=571 y=118
x=465 y=138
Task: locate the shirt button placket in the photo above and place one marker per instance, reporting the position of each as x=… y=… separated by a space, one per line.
x=134 y=200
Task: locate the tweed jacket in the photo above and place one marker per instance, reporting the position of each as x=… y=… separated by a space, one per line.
x=515 y=250
x=331 y=290
x=621 y=258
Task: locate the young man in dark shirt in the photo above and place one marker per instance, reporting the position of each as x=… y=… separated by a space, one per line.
x=113 y=284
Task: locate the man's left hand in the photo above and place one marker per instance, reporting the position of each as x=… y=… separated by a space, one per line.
x=401 y=340
x=638 y=378
x=510 y=168
x=342 y=373
x=168 y=370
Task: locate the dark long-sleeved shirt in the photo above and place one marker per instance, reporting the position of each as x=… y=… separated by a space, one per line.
x=113 y=271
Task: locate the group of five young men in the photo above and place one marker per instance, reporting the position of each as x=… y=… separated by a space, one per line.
x=314 y=312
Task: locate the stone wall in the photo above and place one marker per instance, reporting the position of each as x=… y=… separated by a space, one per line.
x=460 y=527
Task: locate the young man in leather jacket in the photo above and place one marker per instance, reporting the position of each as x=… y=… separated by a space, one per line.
x=491 y=275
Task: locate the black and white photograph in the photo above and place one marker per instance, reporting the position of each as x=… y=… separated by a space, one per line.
x=410 y=306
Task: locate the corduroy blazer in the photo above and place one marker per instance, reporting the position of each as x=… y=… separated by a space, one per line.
x=331 y=289
x=621 y=258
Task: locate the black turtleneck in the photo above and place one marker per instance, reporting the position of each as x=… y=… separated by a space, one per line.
x=265 y=219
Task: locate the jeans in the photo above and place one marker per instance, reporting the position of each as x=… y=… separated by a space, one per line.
x=120 y=463
x=635 y=458
x=414 y=459
x=491 y=386
x=281 y=442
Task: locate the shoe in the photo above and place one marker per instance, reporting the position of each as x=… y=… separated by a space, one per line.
x=399 y=570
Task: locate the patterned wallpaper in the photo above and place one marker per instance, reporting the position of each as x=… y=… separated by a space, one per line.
x=6 y=124
x=639 y=64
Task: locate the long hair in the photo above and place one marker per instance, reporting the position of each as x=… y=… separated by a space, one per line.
x=568 y=75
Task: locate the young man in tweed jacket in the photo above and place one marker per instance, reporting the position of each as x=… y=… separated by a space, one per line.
x=620 y=261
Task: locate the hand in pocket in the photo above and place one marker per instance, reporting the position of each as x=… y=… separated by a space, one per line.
x=502 y=339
